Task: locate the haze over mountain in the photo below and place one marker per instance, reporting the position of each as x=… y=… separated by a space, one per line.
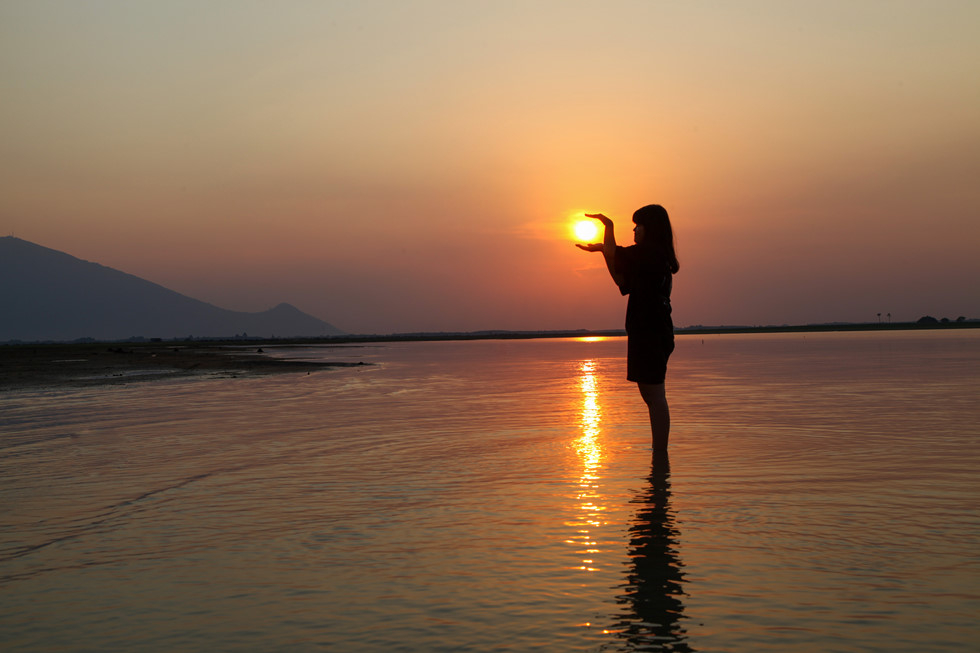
x=50 y=295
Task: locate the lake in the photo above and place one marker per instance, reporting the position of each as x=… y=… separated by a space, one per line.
x=821 y=495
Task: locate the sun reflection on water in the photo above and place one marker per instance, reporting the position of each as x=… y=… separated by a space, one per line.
x=588 y=446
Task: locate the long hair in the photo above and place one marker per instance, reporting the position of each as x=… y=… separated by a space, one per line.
x=657 y=232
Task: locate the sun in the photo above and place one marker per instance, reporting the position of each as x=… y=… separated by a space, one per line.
x=586 y=230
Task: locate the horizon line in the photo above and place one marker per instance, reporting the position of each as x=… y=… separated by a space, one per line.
x=509 y=334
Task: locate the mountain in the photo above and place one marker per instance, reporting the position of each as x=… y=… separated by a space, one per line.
x=49 y=295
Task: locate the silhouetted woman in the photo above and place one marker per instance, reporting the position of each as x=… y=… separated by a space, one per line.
x=644 y=271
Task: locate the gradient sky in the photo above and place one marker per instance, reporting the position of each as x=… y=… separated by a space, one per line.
x=413 y=166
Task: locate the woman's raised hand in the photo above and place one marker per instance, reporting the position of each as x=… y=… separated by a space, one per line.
x=601 y=218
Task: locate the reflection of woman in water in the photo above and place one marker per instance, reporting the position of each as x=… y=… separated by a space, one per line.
x=653 y=613
x=644 y=271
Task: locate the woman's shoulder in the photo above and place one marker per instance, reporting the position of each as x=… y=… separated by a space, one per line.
x=647 y=253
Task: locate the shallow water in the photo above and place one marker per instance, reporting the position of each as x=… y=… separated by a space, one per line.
x=821 y=495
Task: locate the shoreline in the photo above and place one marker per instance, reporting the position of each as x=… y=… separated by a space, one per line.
x=81 y=364
x=609 y=333
x=95 y=364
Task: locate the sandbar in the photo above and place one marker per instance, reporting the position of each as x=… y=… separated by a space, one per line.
x=71 y=365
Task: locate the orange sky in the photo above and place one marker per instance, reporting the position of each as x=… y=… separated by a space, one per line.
x=392 y=166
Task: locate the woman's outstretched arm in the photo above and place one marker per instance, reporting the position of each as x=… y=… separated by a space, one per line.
x=607 y=247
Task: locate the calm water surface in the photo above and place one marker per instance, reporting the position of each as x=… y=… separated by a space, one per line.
x=821 y=495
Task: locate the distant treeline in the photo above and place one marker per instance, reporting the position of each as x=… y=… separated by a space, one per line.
x=922 y=324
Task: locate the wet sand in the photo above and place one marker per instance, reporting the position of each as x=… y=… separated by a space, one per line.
x=101 y=363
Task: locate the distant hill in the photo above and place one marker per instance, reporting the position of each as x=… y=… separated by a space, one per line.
x=49 y=295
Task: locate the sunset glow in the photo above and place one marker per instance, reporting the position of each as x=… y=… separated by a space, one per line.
x=586 y=231
x=331 y=155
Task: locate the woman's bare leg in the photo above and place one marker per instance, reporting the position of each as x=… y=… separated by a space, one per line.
x=655 y=397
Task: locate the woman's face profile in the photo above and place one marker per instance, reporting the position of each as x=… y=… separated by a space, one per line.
x=638 y=232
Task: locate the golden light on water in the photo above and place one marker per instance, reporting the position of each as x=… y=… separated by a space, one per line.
x=588 y=446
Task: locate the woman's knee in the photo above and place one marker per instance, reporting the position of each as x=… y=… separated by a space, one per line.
x=653 y=394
